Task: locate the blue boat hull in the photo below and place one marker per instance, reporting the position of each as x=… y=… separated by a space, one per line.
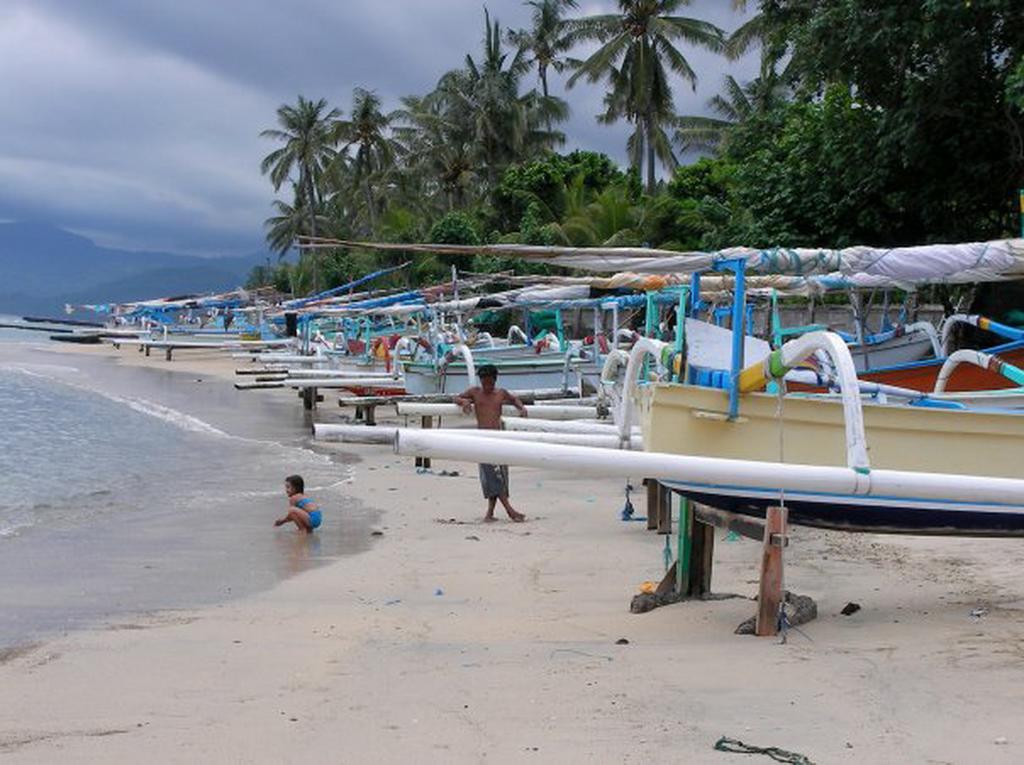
x=877 y=515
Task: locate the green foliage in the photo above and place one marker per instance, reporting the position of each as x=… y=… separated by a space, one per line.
x=1015 y=86
x=455 y=228
x=674 y=224
x=809 y=173
x=543 y=182
x=936 y=75
x=706 y=178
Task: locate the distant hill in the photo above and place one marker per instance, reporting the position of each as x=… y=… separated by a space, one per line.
x=43 y=267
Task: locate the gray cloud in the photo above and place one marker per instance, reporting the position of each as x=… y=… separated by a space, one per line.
x=138 y=121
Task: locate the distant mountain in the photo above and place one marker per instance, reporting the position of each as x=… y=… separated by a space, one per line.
x=43 y=267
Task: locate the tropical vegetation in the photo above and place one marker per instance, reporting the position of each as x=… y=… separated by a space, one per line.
x=883 y=123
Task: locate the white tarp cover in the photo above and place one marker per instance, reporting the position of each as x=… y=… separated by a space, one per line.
x=856 y=266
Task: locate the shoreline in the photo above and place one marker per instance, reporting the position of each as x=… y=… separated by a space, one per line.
x=81 y=566
x=465 y=642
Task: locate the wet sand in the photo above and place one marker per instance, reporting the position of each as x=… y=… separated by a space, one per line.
x=465 y=642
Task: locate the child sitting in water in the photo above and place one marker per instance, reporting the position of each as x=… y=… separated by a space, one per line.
x=302 y=511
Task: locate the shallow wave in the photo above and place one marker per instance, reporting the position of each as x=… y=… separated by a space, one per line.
x=167 y=414
x=55 y=372
x=44 y=371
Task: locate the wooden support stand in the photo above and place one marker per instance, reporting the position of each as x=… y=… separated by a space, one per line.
x=308 y=399
x=659 y=507
x=769 y=596
x=367 y=413
x=653 y=501
x=167 y=353
x=664 y=520
x=426 y=422
x=690 y=575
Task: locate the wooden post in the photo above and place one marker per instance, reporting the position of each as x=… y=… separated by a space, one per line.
x=664 y=510
x=426 y=422
x=653 y=502
x=684 y=546
x=702 y=558
x=769 y=596
x=696 y=545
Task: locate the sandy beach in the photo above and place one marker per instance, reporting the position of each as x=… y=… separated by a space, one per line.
x=449 y=640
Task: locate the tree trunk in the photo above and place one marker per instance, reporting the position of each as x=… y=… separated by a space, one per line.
x=649 y=127
x=370 y=210
x=311 y=206
x=310 y=201
x=544 y=90
x=638 y=163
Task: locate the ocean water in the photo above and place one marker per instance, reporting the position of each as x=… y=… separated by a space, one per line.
x=127 y=490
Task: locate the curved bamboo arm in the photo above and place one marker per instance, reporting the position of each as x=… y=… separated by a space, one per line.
x=779 y=362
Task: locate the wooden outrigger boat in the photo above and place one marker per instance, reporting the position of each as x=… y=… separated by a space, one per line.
x=931 y=471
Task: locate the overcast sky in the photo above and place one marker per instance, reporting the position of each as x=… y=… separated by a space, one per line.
x=137 y=122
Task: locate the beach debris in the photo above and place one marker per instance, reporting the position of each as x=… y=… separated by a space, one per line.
x=581 y=653
x=450 y=473
x=648 y=601
x=376 y=533
x=1001 y=741
x=473 y=538
x=850 y=608
x=735 y=746
x=977 y=613
x=796 y=610
x=393 y=602
x=622 y=641
x=648 y=587
x=438 y=592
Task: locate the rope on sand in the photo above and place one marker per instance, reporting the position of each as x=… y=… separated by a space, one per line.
x=736 y=746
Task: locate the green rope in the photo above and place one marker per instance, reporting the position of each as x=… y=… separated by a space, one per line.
x=779 y=755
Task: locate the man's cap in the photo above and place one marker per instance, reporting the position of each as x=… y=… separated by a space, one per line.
x=487 y=370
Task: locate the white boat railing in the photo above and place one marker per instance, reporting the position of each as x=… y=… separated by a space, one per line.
x=978 y=359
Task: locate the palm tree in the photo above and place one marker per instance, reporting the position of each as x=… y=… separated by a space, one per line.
x=307 y=134
x=737 y=104
x=751 y=32
x=375 y=150
x=637 y=50
x=485 y=95
x=609 y=219
x=437 y=147
x=285 y=227
x=545 y=42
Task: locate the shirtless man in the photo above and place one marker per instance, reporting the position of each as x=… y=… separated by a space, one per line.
x=486 y=401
